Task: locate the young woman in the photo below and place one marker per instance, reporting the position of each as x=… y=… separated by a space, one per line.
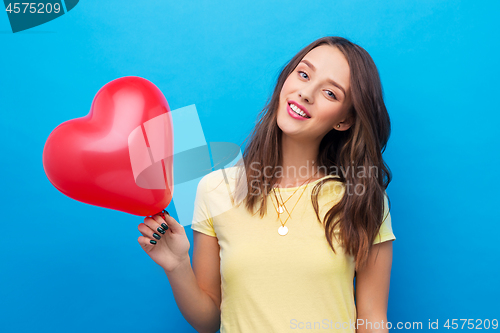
x=280 y=237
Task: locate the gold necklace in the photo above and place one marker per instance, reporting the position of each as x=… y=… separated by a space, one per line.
x=283 y=230
x=280 y=207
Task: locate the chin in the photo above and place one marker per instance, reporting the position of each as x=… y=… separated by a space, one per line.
x=287 y=127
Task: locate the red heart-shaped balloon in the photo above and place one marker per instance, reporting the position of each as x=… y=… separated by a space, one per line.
x=119 y=156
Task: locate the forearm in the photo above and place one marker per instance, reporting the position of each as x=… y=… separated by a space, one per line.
x=196 y=306
x=372 y=324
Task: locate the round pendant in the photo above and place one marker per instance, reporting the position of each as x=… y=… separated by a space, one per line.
x=282 y=230
x=280 y=209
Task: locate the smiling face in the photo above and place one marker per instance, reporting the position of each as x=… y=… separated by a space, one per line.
x=317 y=89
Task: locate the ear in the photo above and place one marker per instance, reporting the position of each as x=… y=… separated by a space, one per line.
x=345 y=124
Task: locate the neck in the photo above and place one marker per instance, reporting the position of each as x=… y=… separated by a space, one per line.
x=299 y=161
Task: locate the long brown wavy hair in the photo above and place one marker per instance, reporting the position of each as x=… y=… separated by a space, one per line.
x=359 y=217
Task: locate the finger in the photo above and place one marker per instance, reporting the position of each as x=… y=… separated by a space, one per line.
x=154 y=222
x=152 y=233
x=146 y=243
x=173 y=224
x=147 y=232
x=161 y=221
x=157 y=224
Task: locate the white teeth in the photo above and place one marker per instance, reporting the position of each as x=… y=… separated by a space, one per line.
x=296 y=109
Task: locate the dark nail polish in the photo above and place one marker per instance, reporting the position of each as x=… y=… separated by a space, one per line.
x=164 y=211
x=164 y=226
x=160 y=230
x=152 y=242
x=155 y=235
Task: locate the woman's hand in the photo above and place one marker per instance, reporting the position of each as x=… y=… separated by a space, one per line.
x=164 y=240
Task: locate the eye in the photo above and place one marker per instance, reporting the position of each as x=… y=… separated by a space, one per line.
x=305 y=76
x=331 y=94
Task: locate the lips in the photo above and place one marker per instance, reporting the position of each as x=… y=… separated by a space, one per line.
x=300 y=107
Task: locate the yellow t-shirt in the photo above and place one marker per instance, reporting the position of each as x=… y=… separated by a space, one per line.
x=274 y=283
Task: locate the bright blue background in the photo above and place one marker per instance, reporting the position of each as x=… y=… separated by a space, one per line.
x=71 y=267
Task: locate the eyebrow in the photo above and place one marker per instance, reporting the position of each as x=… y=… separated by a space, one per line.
x=329 y=80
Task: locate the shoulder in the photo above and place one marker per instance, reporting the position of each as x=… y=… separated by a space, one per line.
x=220 y=185
x=219 y=177
x=216 y=190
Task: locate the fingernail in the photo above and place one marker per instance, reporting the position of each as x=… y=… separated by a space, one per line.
x=152 y=242
x=155 y=235
x=165 y=211
x=164 y=226
x=160 y=230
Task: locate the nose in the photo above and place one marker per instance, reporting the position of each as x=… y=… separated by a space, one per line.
x=304 y=94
